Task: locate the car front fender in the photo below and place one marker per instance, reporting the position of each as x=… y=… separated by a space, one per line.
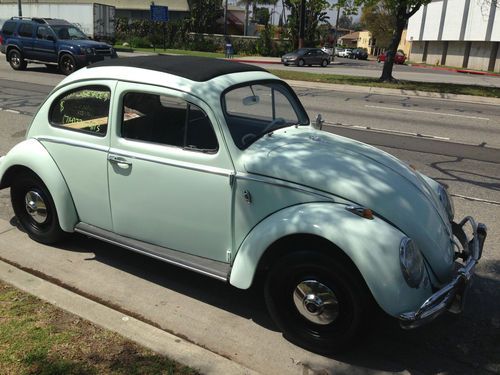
x=372 y=245
x=32 y=155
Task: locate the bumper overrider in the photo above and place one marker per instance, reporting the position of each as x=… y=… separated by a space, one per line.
x=451 y=297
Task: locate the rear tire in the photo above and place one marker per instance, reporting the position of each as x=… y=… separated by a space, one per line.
x=318 y=301
x=16 y=60
x=35 y=209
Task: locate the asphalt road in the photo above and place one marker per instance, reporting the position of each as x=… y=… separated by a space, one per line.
x=234 y=322
x=404 y=72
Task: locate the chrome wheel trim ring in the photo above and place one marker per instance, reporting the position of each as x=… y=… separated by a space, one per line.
x=316 y=302
x=15 y=58
x=35 y=206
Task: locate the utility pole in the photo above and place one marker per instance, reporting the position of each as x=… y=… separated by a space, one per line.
x=302 y=23
x=19 y=8
x=225 y=18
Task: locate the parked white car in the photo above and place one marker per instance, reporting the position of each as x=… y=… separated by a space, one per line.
x=346 y=52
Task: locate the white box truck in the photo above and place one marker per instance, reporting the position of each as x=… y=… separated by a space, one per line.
x=95 y=20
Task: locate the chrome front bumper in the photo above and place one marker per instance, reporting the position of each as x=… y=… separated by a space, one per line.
x=452 y=296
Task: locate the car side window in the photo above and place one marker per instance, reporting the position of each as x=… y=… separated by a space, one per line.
x=26 y=30
x=43 y=32
x=8 y=28
x=167 y=120
x=85 y=109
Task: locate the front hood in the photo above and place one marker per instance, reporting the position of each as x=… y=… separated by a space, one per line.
x=290 y=55
x=363 y=175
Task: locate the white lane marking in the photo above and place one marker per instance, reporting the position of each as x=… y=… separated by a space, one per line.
x=382 y=130
x=427 y=112
x=11 y=111
x=476 y=199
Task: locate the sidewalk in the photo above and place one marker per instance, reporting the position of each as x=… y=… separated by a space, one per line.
x=158 y=340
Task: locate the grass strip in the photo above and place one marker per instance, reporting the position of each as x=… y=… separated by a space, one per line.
x=448 y=88
x=38 y=338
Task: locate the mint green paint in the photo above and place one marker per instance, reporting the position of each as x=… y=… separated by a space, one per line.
x=373 y=246
x=31 y=154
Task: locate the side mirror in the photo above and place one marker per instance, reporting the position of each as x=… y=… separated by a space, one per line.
x=318 y=123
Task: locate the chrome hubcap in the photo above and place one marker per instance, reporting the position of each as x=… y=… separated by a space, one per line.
x=316 y=302
x=35 y=207
x=15 y=59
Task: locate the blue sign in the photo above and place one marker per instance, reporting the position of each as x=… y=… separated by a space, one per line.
x=159 y=13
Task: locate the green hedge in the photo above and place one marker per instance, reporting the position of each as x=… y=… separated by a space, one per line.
x=146 y=33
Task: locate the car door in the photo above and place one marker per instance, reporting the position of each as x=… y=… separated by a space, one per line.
x=44 y=45
x=25 y=33
x=169 y=173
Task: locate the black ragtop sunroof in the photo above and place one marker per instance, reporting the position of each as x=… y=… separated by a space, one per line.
x=194 y=68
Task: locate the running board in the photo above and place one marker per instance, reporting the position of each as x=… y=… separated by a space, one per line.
x=208 y=267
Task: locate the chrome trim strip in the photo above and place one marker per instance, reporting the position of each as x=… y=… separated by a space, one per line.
x=284 y=184
x=174 y=163
x=155 y=256
x=171 y=163
x=86 y=145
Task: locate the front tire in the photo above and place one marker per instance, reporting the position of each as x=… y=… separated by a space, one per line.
x=318 y=301
x=300 y=63
x=67 y=64
x=324 y=63
x=16 y=60
x=35 y=209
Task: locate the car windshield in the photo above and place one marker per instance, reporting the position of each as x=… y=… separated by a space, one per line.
x=68 y=32
x=260 y=108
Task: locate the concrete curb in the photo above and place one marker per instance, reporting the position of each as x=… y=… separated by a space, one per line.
x=144 y=334
x=398 y=92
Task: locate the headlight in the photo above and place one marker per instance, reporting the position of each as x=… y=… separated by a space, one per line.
x=445 y=199
x=88 y=51
x=412 y=262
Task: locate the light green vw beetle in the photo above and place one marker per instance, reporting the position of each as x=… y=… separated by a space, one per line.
x=215 y=167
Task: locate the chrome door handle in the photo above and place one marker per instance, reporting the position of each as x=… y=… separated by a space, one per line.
x=121 y=161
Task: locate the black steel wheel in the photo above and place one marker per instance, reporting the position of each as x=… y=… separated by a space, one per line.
x=16 y=60
x=35 y=209
x=317 y=301
x=67 y=64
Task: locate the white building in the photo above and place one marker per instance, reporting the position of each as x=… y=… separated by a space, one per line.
x=461 y=33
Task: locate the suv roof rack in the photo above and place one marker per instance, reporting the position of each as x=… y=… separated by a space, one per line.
x=34 y=19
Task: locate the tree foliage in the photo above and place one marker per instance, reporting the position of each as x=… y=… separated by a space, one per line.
x=204 y=15
x=380 y=22
x=345 y=22
x=316 y=14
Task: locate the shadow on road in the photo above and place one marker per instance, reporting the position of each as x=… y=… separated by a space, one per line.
x=464 y=344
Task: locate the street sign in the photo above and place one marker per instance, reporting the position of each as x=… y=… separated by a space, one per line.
x=159 y=13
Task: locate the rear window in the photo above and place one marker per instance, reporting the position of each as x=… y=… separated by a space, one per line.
x=8 y=28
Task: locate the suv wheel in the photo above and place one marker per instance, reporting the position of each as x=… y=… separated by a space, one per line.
x=16 y=60
x=67 y=64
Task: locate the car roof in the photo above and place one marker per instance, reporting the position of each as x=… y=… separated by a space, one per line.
x=195 y=68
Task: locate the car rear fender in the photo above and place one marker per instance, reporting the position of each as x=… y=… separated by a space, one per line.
x=372 y=245
x=31 y=155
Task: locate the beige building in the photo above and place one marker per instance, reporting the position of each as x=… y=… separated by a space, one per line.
x=363 y=39
x=357 y=39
